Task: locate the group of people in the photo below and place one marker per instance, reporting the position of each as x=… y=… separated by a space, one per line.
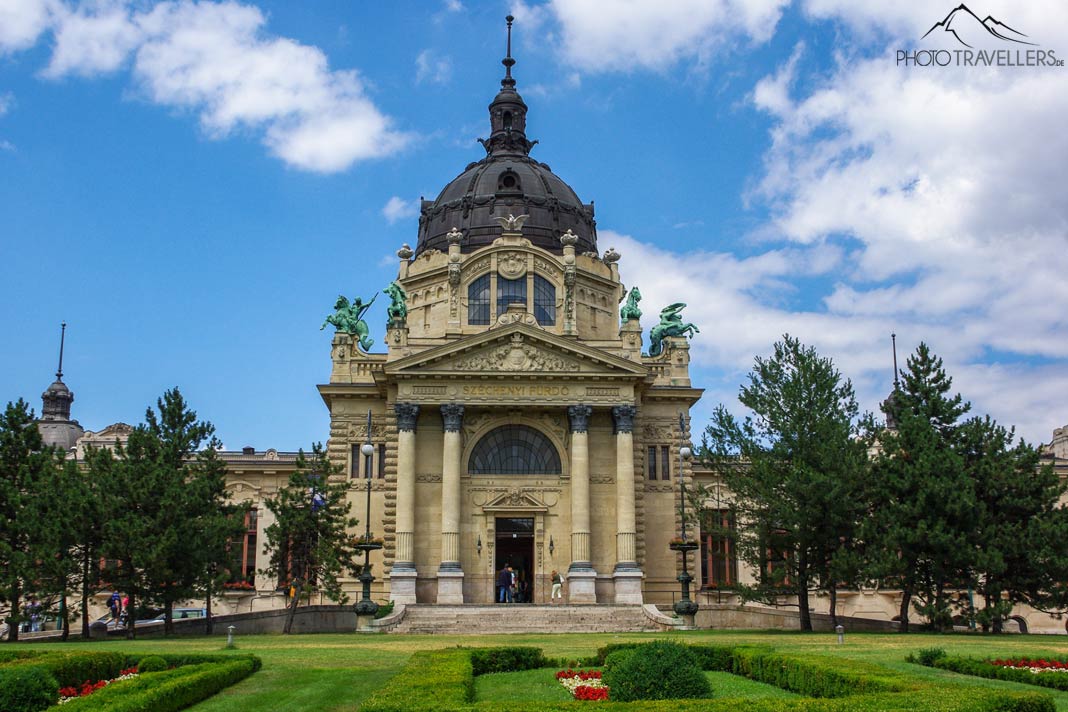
x=513 y=588
x=34 y=619
x=117 y=605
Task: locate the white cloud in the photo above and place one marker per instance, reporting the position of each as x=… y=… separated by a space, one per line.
x=7 y=146
x=7 y=100
x=648 y=34
x=454 y=6
x=429 y=67
x=23 y=21
x=216 y=59
x=397 y=209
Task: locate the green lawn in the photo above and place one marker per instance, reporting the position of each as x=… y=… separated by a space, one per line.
x=336 y=672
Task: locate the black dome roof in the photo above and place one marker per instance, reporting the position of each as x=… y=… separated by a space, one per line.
x=507 y=182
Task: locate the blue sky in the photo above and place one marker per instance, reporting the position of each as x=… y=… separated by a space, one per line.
x=190 y=185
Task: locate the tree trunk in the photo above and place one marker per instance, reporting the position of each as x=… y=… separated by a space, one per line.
x=834 y=604
x=13 y=625
x=85 y=594
x=802 y=593
x=906 y=600
x=168 y=617
x=207 y=609
x=64 y=615
x=131 y=622
x=292 y=609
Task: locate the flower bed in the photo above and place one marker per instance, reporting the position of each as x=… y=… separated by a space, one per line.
x=1035 y=666
x=73 y=692
x=583 y=684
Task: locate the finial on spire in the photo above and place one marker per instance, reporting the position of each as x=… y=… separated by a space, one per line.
x=62 y=338
x=508 y=62
x=893 y=340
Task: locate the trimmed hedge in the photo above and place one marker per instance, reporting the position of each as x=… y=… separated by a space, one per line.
x=432 y=680
x=983 y=668
x=7 y=656
x=167 y=691
x=71 y=669
x=443 y=680
x=152 y=663
x=511 y=659
x=27 y=688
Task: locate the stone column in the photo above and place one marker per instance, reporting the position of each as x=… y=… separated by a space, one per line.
x=402 y=576
x=627 y=575
x=581 y=577
x=450 y=574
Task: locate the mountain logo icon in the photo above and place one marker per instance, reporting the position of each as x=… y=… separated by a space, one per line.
x=968 y=29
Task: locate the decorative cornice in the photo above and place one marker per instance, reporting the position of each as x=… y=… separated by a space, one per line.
x=407 y=413
x=453 y=416
x=579 y=416
x=623 y=419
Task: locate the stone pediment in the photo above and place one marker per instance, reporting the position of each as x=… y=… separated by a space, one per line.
x=514 y=350
x=515 y=500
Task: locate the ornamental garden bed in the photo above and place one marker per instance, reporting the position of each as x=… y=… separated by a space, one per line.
x=31 y=681
x=749 y=678
x=1042 y=670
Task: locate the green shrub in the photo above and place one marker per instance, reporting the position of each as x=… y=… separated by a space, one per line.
x=926 y=656
x=656 y=671
x=605 y=650
x=27 y=688
x=167 y=691
x=816 y=676
x=184 y=659
x=384 y=610
x=7 y=656
x=487 y=660
x=152 y=663
x=616 y=658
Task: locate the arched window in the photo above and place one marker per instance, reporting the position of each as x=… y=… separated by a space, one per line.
x=478 y=301
x=544 y=301
x=507 y=121
x=514 y=450
x=510 y=291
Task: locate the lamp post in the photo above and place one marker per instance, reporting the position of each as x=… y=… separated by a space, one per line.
x=365 y=606
x=684 y=606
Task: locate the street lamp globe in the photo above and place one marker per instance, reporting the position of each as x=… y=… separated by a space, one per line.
x=367 y=449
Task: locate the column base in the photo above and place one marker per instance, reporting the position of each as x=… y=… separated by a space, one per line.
x=628 y=587
x=364 y=624
x=450 y=588
x=582 y=586
x=402 y=586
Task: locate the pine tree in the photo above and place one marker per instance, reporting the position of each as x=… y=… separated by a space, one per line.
x=170 y=525
x=1019 y=532
x=26 y=465
x=922 y=502
x=310 y=541
x=795 y=468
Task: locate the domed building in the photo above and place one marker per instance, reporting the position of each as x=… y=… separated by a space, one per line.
x=515 y=419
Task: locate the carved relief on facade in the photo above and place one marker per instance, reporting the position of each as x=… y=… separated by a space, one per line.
x=512 y=265
x=516 y=356
x=358 y=433
x=428 y=477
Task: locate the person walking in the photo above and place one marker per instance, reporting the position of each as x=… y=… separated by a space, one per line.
x=558 y=585
x=504 y=583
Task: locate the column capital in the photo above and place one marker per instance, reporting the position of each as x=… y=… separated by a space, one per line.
x=579 y=416
x=453 y=416
x=623 y=419
x=407 y=413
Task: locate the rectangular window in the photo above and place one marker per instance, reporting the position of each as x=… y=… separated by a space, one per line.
x=650 y=462
x=775 y=570
x=243 y=553
x=357 y=459
x=381 y=461
x=665 y=461
x=718 y=554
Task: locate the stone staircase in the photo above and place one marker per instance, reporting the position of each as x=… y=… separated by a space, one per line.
x=526 y=618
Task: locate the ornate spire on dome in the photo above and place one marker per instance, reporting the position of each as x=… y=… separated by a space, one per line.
x=508 y=112
x=57 y=399
x=893 y=401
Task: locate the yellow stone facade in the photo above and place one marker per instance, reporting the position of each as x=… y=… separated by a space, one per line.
x=581 y=382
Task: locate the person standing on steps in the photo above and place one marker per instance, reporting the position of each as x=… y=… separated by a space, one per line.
x=558 y=585
x=504 y=585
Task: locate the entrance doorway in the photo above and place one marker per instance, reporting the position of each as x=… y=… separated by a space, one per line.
x=514 y=546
